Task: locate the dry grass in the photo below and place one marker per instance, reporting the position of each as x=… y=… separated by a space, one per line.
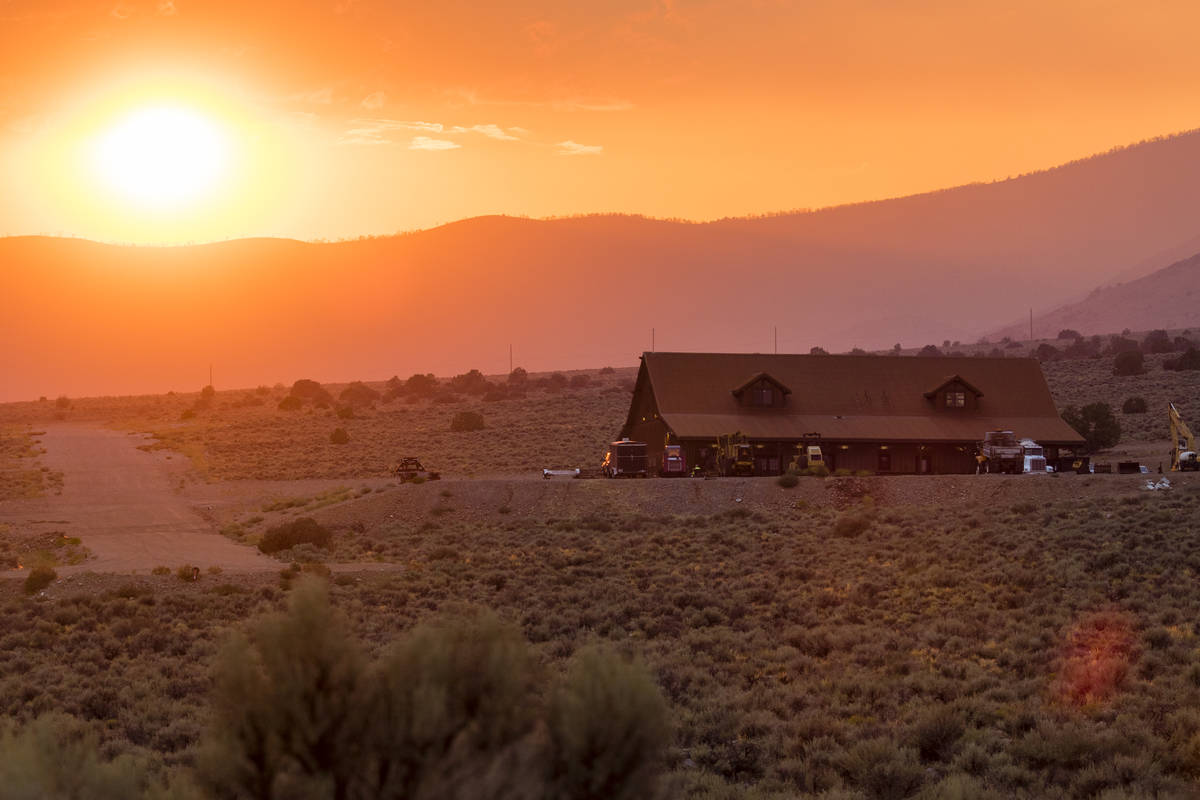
x=235 y=438
x=1028 y=647
x=21 y=474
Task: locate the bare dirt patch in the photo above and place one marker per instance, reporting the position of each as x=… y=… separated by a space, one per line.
x=125 y=507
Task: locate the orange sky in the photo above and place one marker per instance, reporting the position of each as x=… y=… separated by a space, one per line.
x=352 y=117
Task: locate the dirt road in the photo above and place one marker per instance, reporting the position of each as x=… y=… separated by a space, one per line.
x=122 y=503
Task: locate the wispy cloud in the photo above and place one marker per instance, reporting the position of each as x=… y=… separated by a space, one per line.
x=122 y=11
x=597 y=104
x=491 y=130
x=321 y=97
x=374 y=130
x=570 y=148
x=426 y=143
x=374 y=101
x=166 y=8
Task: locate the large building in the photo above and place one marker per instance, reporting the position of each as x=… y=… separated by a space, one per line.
x=883 y=414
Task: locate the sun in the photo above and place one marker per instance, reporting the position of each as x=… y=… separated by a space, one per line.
x=162 y=158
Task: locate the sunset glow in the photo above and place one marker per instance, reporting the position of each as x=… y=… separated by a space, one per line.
x=340 y=119
x=162 y=158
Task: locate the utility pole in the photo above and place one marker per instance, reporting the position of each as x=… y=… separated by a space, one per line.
x=776 y=340
x=1031 y=326
x=652 y=340
x=210 y=374
x=510 y=366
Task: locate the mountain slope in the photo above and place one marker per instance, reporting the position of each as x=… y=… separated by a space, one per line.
x=1168 y=298
x=82 y=317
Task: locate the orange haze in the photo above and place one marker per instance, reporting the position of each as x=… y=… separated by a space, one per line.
x=359 y=117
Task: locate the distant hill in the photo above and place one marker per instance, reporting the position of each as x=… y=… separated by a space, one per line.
x=1168 y=298
x=84 y=318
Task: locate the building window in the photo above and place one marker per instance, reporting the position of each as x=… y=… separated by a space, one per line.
x=763 y=396
x=956 y=399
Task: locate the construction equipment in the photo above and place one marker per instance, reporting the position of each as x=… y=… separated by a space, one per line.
x=1002 y=453
x=1183 y=443
x=808 y=454
x=410 y=469
x=735 y=455
x=626 y=459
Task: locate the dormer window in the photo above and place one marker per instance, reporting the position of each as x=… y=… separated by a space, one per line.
x=954 y=392
x=762 y=391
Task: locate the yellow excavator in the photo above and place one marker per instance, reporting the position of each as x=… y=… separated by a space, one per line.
x=1183 y=443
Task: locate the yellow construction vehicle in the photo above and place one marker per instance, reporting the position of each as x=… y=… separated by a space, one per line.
x=1183 y=443
x=735 y=455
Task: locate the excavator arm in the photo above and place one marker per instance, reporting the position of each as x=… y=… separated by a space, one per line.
x=1182 y=439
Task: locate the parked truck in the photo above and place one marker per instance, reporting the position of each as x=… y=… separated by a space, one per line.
x=626 y=459
x=1034 y=456
x=673 y=464
x=1002 y=453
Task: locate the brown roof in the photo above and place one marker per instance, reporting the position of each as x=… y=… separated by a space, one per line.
x=849 y=398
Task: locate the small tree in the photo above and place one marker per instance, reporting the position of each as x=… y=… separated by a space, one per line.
x=1069 y=333
x=1188 y=360
x=930 y=351
x=339 y=436
x=306 y=389
x=1129 y=362
x=421 y=385
x=1095 y=423
x=1046 y=352
x=1157 y=342
x=818 y=351
x=358 y=394
x=1134 y=405
x=518 y=377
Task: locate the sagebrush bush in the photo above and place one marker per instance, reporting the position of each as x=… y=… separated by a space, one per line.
x=339 y=436
x=467 y=421
x=39 y=578
x=454 y=710
x=1134 y=405
x=291 y=403
x=304 y=530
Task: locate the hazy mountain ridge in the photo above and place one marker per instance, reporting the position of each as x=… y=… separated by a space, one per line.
x=955 y=263
x=1168 y=298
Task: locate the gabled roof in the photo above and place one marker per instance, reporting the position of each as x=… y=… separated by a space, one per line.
x=760 y=376
x=864 y=398
x=953 y=379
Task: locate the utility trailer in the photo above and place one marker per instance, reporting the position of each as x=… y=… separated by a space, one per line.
x=626 y=459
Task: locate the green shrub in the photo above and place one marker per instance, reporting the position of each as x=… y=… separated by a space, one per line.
x=467 y=421
x=851 y=524
x=455 y=709
x=1129 y=362
x=304 y=530
x=39 y=578
x=1134 y=405
x=291 y=403
x=937 y=733
x=339 y=436
x=305 y=389
x=359 y=394
x=788 y=480
x=817 y=471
